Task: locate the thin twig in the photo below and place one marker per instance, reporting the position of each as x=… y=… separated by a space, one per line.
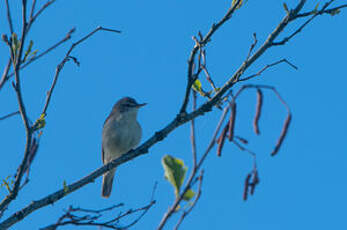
x=252 y=46
x=33 y=16
x=208 y=77
x=192 y=131
x=249 y=185
x=197 y=197
x=33 y=5
x=242 y=148
x=70 y=218
x=9 y=115
x=203 y=42
x=203 y=67
x=9 y=19
x=189 y=183
x=154 y=190
x=144 y=209
x=268 y=66
x=67 y=58
x=97 y=211
x=66 y=38
x=328 y=11
x=16 y=60
x=88 y=220
x=159 y=135
x=286 y=39
x=4 y=77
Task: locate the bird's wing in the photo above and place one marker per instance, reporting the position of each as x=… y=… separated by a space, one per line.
x=102 y=146
x=102 y=154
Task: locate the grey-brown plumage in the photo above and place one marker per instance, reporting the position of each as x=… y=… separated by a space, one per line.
x=121 y=133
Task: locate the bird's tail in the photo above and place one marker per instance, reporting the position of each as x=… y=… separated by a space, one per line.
x=107 y=181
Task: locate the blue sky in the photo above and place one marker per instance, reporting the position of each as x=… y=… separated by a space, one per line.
x=302 y=187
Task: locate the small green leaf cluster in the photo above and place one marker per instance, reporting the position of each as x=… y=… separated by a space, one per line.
x=239 y=5
x=197 y=86
x=8 y=183
x=15 y=46
x=39 y=123
x=175 y=172
x=29 y=54
x=65 y=187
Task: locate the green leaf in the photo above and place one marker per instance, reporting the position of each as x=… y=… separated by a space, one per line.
x=28 y=51
x=174 y=171
x=188 y=195
x=198 y=87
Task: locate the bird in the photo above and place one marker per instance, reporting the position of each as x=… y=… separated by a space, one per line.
x=121 y=133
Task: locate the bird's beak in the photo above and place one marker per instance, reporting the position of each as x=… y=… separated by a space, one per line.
x=140 y=105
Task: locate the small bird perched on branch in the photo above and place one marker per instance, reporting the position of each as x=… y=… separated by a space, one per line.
x=121 y=133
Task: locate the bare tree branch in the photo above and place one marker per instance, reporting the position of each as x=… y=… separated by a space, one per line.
x=179 y=120
x=328 y=11
x=285 y=40
x=197 y=197
x=194 y=51
x=67 y=58
x=71 y=217
x=31 y=60
x=195 y=169
x=32 y=18
x=16 y=60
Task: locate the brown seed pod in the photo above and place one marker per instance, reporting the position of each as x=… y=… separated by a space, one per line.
x=258 y=111
x=283 y=134
x=232 y=121
x=221 y=140
x=245 y=189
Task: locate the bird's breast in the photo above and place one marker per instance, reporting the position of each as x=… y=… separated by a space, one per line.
x=120 y=136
